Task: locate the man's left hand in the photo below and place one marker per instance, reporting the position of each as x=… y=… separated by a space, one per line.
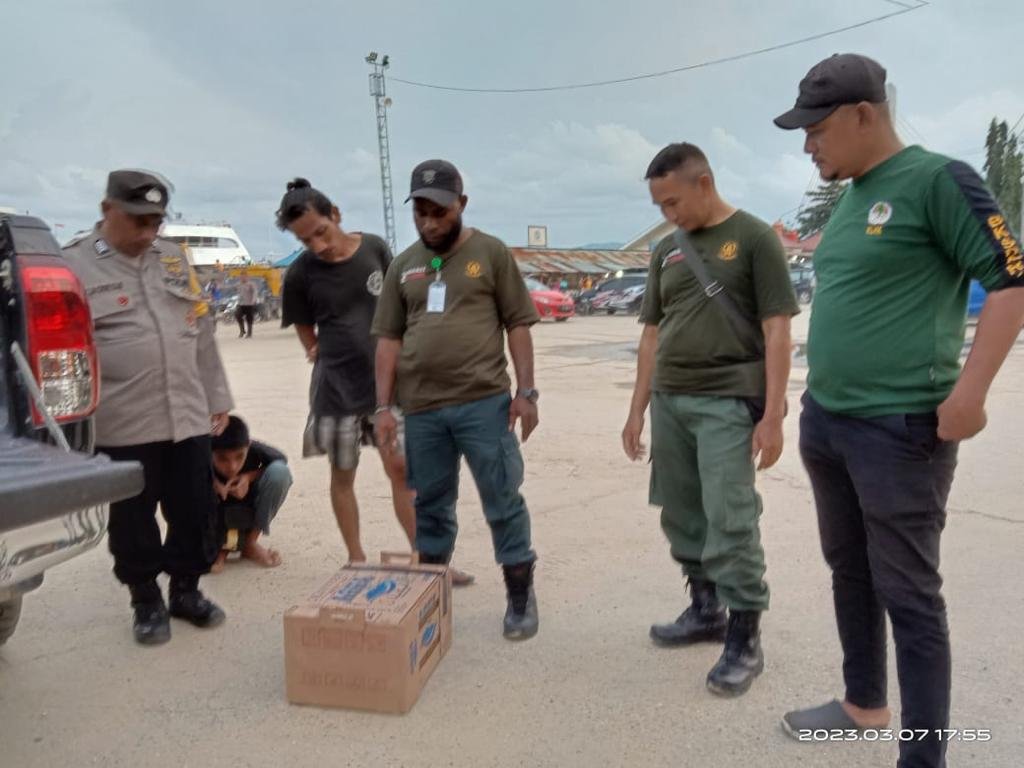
x=218 y=423
x=961 y=417
x=522 y=409
x=767 y=442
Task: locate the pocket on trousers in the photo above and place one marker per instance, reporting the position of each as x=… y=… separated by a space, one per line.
x=742 y=506
x=922 y=430
x=511 y=464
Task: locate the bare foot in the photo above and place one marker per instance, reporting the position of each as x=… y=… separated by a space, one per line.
x=218 y=564
x=868 y=718
x=268 y=558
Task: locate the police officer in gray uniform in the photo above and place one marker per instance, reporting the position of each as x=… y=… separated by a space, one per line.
x=163 y=392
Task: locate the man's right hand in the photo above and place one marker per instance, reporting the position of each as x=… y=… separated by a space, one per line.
x=385 y=430
x=631 y=434
x=312 y=352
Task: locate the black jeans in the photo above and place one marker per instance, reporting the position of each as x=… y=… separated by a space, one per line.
x=245 y=316
x=880 y=487
x=179 y=477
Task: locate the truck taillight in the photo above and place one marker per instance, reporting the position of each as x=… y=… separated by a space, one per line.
x=60 y=344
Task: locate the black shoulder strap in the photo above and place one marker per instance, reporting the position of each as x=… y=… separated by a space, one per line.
x=746 y=329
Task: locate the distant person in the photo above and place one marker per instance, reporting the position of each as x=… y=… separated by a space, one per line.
x=248 y=300
x=330 y=294
x=714 y=368
x=448 y=304
x=251 y=480
x=163 y=392
x=887 y=402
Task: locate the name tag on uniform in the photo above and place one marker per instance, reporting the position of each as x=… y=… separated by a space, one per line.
x=435 y=297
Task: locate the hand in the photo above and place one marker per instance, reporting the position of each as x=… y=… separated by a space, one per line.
x=961 y=417
x=385 y=431
x=221 y=489
x=239 y=487
x=218 y=423
x=631 y=434
x=767 y=441
x=312 y=353
x=522 y=409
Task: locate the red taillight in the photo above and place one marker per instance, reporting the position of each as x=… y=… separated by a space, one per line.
x=60 y=345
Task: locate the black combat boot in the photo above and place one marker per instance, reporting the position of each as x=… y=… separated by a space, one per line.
x=742 y=660
x=151 y=625
x=521 y=621
x=188 y=603
x=703 y=621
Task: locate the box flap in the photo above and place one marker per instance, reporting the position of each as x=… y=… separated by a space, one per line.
x=378 y=594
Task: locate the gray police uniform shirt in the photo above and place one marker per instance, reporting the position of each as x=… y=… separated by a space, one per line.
x=161 y=376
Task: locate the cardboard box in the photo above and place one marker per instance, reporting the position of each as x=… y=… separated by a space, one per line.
x=370 y=637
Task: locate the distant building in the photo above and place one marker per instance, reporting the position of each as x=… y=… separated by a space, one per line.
x=797 y=249
x=576 y=264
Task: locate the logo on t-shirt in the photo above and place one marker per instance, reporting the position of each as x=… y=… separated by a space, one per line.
x=473 y=269
x=879 y=214
x=729 y=250
x=375 y=283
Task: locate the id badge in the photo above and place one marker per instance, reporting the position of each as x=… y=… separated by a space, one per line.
x=435 y=297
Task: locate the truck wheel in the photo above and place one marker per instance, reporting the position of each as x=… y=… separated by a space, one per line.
x=9 y=613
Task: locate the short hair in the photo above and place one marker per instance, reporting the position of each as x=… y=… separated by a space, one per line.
x=300 y=198
x=675 y=156
x=234 y=436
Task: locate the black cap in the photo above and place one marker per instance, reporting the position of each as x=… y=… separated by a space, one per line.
x=436 y=180
x=843 y=78
x=138 y=192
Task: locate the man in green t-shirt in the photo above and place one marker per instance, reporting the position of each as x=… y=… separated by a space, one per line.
x=447 y=304
x=713 y=364
x=887 y=402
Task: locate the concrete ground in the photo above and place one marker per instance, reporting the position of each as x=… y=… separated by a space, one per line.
x=590 y=690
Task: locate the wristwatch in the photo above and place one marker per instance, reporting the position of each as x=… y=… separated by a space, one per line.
x=528 y=393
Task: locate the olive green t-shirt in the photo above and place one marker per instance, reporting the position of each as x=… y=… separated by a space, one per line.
x=893 y=271
x=458 y=355
x=699 y=351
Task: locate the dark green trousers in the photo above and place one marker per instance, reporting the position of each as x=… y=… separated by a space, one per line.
x=702 y=476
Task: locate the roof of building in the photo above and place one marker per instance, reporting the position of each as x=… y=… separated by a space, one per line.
x=571 y=261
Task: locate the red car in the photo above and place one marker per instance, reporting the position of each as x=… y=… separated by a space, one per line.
x=550 y=303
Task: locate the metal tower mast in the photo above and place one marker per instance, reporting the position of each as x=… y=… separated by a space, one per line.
x=382 y=102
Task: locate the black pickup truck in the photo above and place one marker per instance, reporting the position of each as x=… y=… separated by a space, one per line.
x=54 y=494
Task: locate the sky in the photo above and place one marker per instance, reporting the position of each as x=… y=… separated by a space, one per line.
x=229 y=99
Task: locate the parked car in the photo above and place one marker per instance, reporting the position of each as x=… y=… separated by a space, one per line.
x=549 y=302
x=975 y=299
x=54 y=493
x=804 y=282
x=628 y=300
x=611 y=290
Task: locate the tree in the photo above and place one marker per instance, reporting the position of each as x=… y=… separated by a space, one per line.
x=1004 y=171
x=813 y=217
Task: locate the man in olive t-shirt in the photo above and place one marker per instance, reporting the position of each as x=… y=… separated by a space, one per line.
x=715 y=378
x=887 y=402
x=447 y=303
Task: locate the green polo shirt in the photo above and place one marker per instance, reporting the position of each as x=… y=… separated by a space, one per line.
x=458 y=355
x=893 y=271
x=699 y=352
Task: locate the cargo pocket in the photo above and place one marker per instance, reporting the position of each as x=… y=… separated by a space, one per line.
x=742 y=506
x=511 y=464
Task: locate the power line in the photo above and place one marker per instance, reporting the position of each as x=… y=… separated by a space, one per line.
x=675 y=70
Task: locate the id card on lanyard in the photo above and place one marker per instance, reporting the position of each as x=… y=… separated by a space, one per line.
x=437 y=291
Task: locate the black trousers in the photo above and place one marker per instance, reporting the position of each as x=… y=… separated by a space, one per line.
x=880 y=487
x=179 y=477
x=245 y=315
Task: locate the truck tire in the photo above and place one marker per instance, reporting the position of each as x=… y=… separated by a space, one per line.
x=9 y=613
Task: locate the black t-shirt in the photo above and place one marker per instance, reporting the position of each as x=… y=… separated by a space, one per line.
x=260 y=457
x=339 y=299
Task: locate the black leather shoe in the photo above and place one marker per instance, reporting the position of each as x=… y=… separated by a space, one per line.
x=150 y=625
x=188 y=603
x=521 y=620
x=742 y=660
x=704 y=621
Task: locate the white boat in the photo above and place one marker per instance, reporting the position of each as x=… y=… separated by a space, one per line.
x=208 y=244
